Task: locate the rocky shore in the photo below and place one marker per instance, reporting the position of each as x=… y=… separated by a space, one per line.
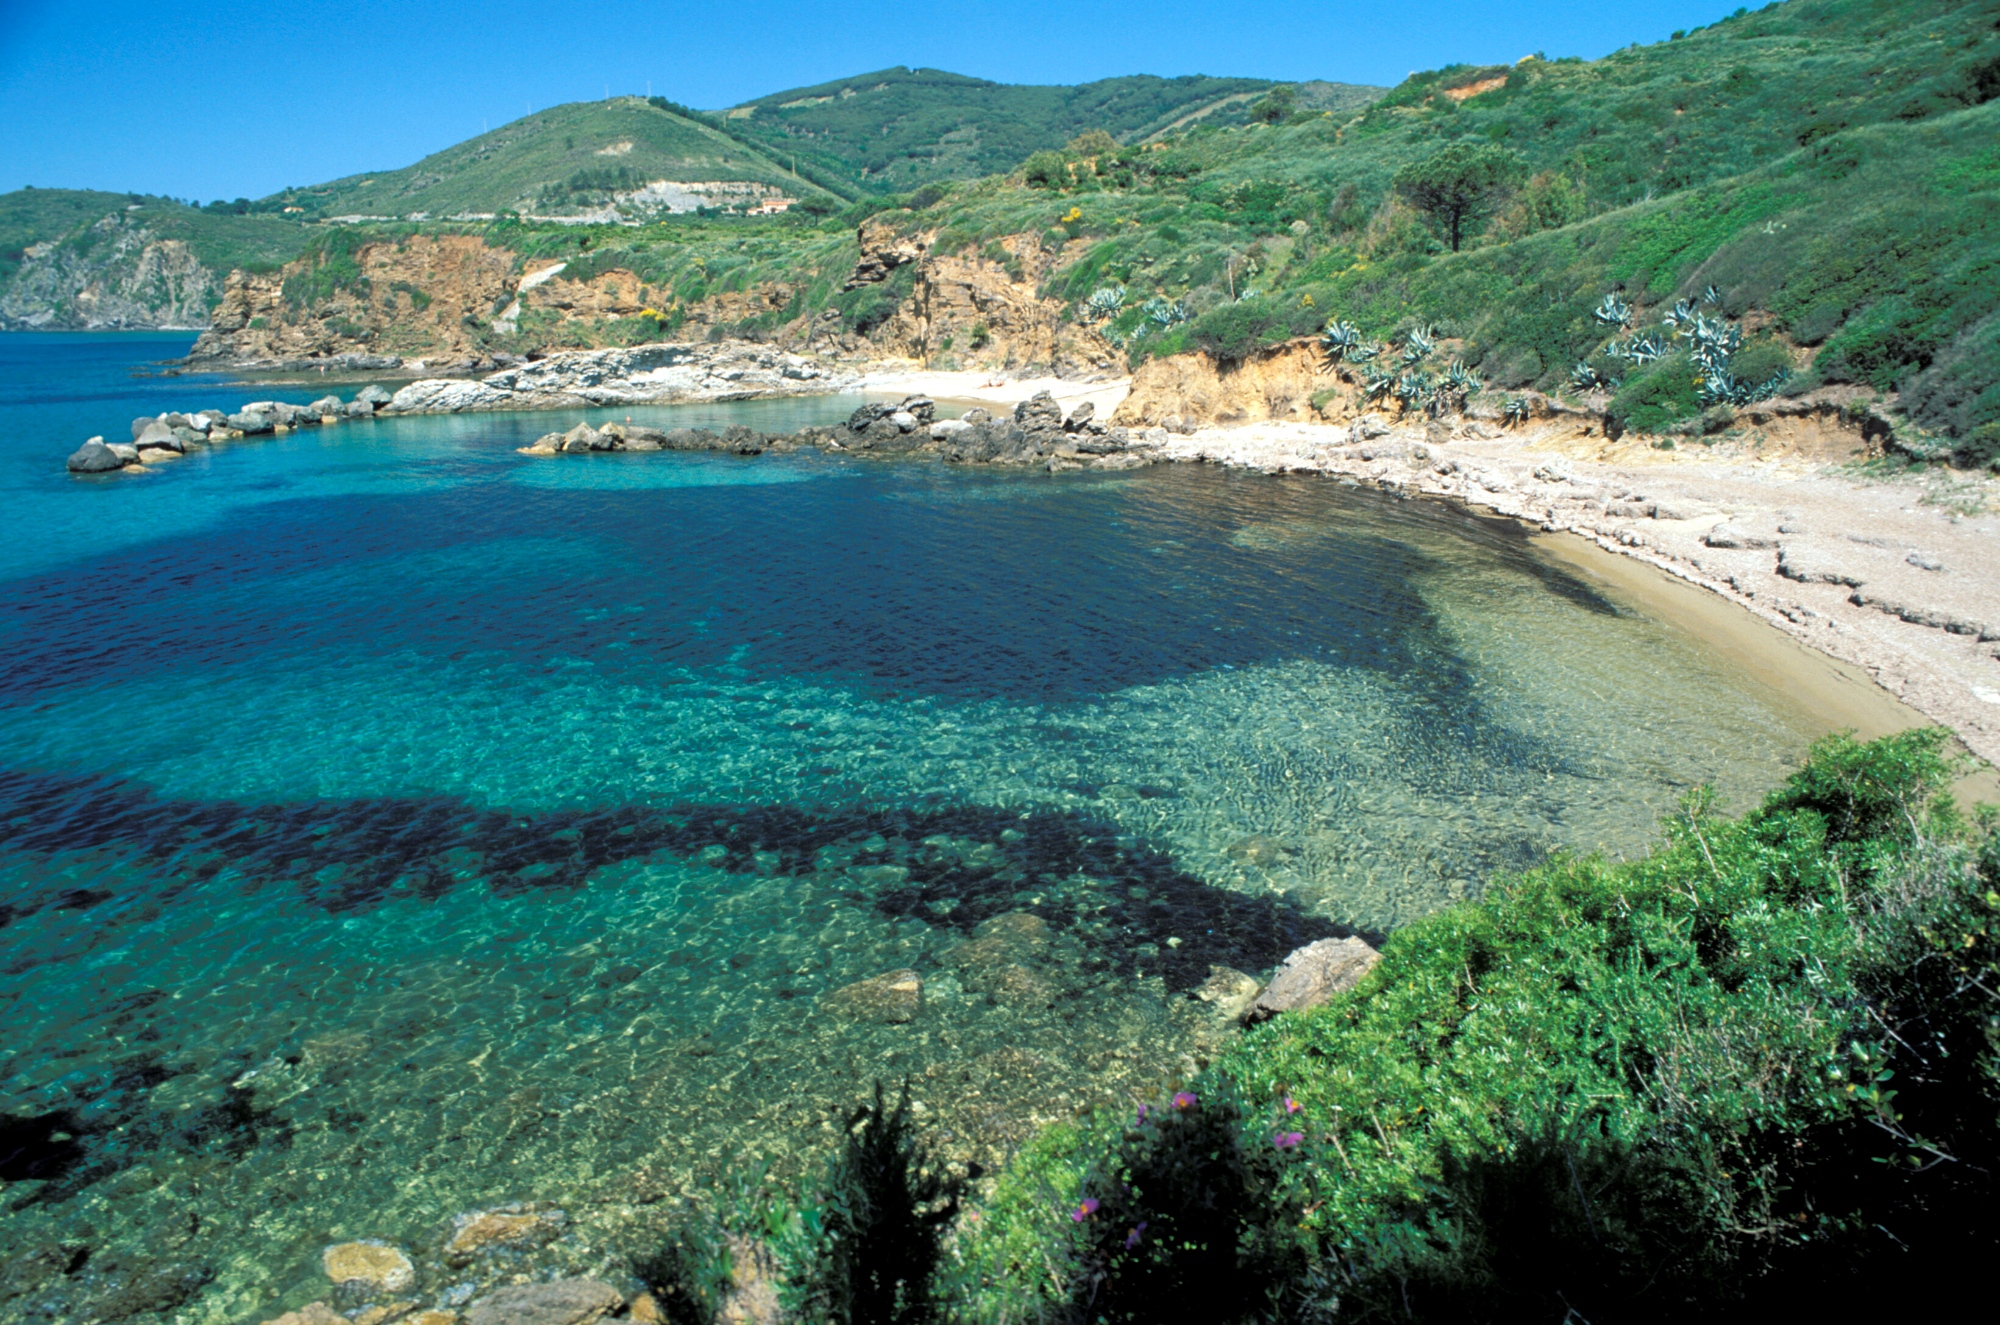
x=643 y=375
x=1036 y=434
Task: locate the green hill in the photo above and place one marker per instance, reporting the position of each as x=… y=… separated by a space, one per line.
x=569 y=159
x=900 y=128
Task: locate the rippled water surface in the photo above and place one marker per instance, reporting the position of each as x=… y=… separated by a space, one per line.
x=398 y=826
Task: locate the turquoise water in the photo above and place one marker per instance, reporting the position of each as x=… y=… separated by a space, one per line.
x=398 y=826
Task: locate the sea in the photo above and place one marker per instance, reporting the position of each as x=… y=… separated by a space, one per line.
x=396 y=827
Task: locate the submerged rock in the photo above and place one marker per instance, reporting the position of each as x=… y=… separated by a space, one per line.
x=563 y=1302
x=1313 y=974
x=1229 y=991
x=374 y=1265
x=895 y=997
x=506 y=1227
x=313 y=1313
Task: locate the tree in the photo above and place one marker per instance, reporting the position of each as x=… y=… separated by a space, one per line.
x=1459 y=183
x=1277 y=104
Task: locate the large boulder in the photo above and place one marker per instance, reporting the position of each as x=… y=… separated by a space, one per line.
x=374 y=397
x=1313 y=974
x=374 y=1266
x=326 y=406
x=158 y=436
x=560 y=1302
x=250 y=424
x=1080 y=416
x=140 y=425
x=583 y=437
x=94 y=457
x=1039 y=413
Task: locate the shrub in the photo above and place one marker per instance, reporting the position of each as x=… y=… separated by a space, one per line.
x=1658 y=395
x=881 y=1220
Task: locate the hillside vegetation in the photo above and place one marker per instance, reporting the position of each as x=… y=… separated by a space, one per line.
x=901 y=128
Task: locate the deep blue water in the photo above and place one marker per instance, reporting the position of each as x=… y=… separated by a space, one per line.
x=397 y=825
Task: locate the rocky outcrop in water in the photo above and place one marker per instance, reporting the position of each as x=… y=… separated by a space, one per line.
x=1313 y=974
x=1036 y=434
x=168 y=437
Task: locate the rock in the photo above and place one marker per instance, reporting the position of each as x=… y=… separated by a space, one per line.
x=140 y=425
x=1039 y=413
x=250 y=424
x=1230 y=992
x=94 y=457
x=160 y=436
x=645 y=1309
x=1258 y=850
x=561 y=1302
x=377 y=1265
x=313 y=1313
x=1637 y=508
x=1811 y=566
x=386 y=1312
x=1080 y=417
x=1726 y=535
x=895 y=998
x=976 y=415
x=326 y=405
x=947 y=428
x=1681 y=510
x=374 y=397
x=1924 y=561
x=1313 y=974
x=506 y=1227
x=867 y=414
x=904 y=420
x=583 y=437
x=921 y=408
x=211 y=419
x=357 y=409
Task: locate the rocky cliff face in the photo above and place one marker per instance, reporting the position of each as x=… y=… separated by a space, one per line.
x=423 y=297
x=120 y=275
x=978 y=312
x=1276 y=383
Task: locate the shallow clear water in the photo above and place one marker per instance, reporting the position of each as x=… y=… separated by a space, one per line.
x=397 y=826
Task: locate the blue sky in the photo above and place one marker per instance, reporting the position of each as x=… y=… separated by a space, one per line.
x=226 y=98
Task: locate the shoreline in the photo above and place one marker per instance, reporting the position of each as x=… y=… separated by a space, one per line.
x=1893 y=579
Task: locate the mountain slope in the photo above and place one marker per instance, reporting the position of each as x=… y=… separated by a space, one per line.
x=900 y=128
x=570 y=159
x=74 y=258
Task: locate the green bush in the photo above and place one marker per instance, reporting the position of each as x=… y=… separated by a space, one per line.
x=1757 y=1066
x=1658 y=395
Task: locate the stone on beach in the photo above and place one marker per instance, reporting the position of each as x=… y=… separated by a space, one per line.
x=1313 y=974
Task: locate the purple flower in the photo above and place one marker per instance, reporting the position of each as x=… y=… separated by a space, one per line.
x=1142 y=1113
x=1292 y=1105
x=1184 y=1100
x=1084 y=1211
x=1287 y=1140
x=1132 y=1238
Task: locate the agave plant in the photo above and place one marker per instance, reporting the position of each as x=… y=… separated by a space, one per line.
x=1462 y=380
x=1585 y=378
x=1720 y=388
x=1712 y=297
x=1167 y=313
x=1646 y=348
x=1377 y=384
x=1613 y=312
x=1415 y=389
x=1715 y=339
x=1341 y=341
x=1515 y=410
x=1684 y=313
x=1418 y=340
x=1105 y=303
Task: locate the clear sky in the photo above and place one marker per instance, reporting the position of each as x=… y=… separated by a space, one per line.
x=228 y=98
